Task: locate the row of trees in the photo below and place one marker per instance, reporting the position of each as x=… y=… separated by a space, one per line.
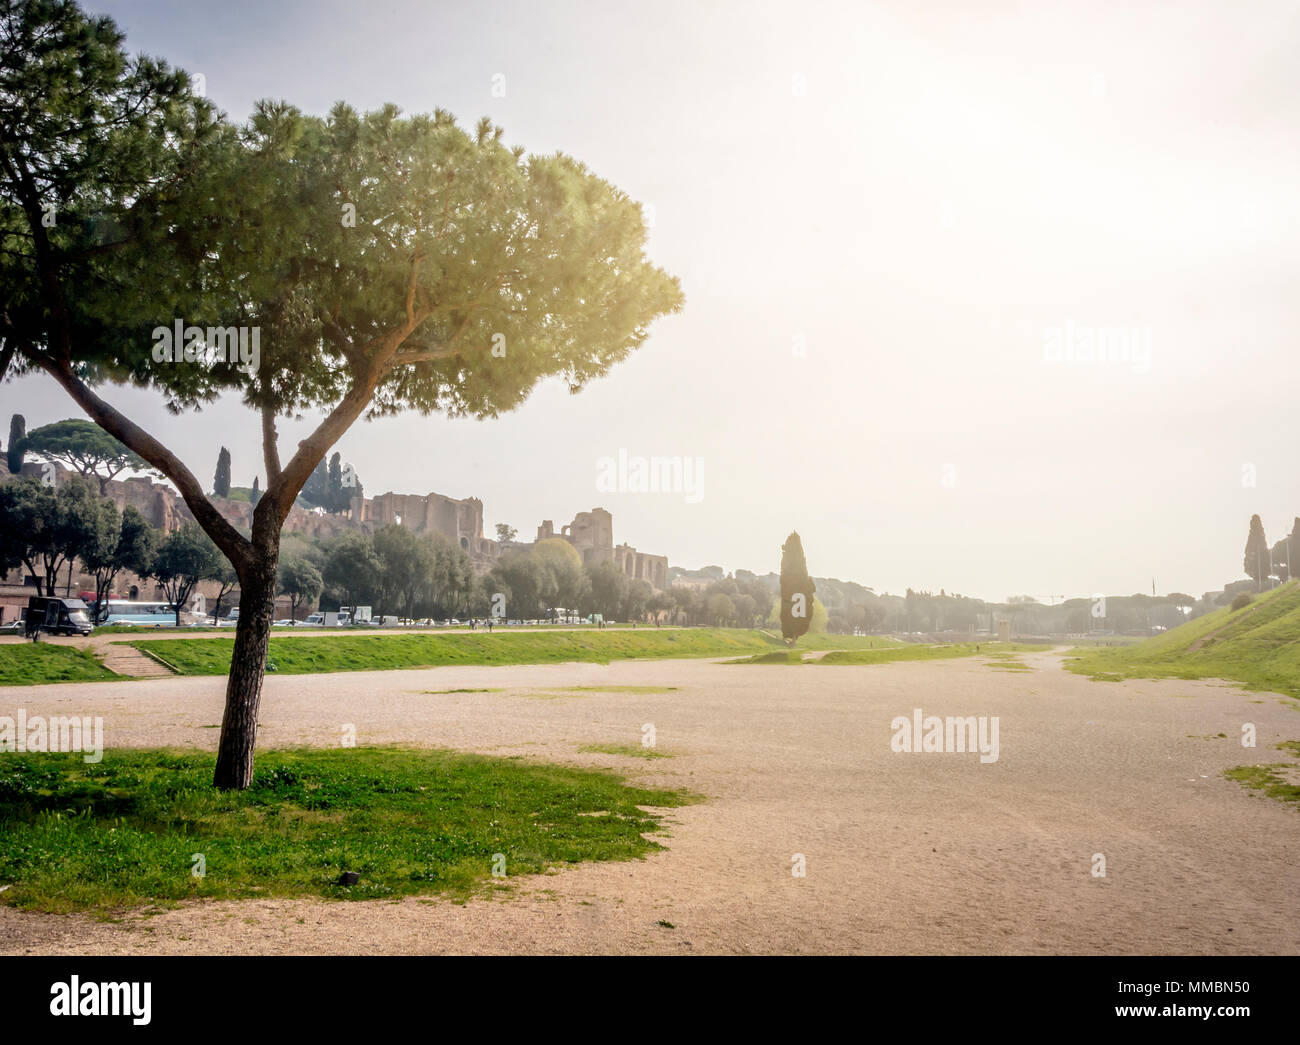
x=330 y=487
x=1263 y=564
x=395 y=571
x=47 y=531
x=403 y=574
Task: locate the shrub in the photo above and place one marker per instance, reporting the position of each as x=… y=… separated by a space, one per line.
x=1242 y=601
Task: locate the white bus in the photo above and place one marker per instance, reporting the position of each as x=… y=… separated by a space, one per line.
x=150 y=614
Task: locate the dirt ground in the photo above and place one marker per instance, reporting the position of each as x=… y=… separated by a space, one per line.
x=904 y=852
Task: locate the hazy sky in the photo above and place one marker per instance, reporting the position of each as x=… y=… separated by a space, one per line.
x=897 y=232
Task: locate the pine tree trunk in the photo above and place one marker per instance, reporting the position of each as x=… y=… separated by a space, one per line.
x=247 y=669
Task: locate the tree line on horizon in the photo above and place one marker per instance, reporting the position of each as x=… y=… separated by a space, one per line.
x=434 y=579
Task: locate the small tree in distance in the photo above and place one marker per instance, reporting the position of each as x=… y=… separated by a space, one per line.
x=797 y=590
x=85 y=448
x=301 y=581
x=1293 y=547
x=131 y=550
x=221 y=481
x=227 y=580
x=17 y=433
x=1257 y=559
x=185 y=557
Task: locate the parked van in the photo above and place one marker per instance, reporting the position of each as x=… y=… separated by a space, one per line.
x=57 y=617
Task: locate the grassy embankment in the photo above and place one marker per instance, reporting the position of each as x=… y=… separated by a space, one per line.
x=1257 y=646
x=125 y=832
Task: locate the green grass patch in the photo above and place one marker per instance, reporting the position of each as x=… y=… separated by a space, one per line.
x=780 y=656
x=123 y=833
x=560 y=692
x=1267 y=780
x=890 y=654
x=625 y=750
x=1002 y=660
x=304 y=655
x=31 y=663
x=1257 y=646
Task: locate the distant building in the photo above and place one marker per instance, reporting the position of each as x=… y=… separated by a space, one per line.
x=592 y=535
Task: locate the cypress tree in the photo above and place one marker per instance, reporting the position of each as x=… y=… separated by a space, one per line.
x=221 y=481
x=1257 y=559
x=1293 y=548
x=796 y=590
x=335 y=500
x=17 y=433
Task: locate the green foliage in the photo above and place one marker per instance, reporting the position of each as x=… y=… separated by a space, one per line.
x=105 y=141
x=185 y=557
x=796 y=590
x=301 y=581
x=608 y=589
x=316 y=490
x=1258 y=561
x=527 y=582
x=405 y=564
x=85 y=448
x=122 y=833
x=99 y=551
x=17 y=433
x=221 y=480
x=722 y=610
x=352 y=568
x=43 y=529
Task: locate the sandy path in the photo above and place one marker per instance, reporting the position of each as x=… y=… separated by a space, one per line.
x=906 y=853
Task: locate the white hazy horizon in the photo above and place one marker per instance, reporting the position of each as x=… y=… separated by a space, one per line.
x=996 y=298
